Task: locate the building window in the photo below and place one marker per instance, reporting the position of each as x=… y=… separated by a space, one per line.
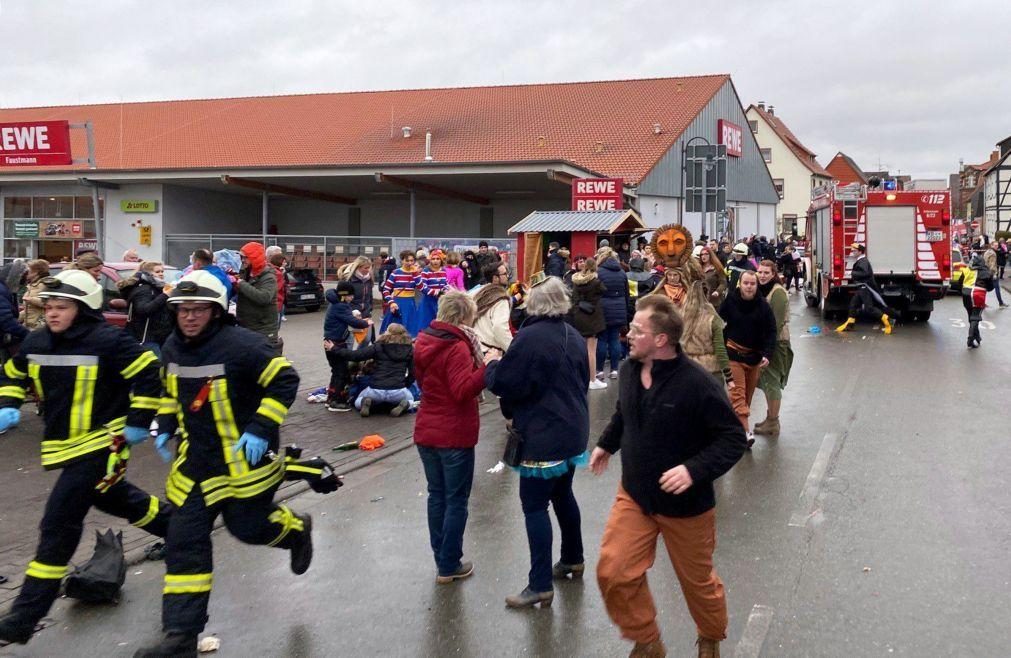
x=18 y=207
x=754 y=126
x=767 y=155
x=54 y=207
x=778 y=182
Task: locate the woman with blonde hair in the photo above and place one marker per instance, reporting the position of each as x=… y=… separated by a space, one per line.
x=359 y=274
x=148 y=316
x=91 y=263
x=34 y=313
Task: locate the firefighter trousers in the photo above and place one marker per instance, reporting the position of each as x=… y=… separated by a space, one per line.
x=188 y=549
x=864 y=301
x=63 y=522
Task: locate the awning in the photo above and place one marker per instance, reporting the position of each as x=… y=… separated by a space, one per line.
x=607 y=221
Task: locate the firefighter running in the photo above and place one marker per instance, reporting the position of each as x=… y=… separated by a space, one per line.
x=226 y=393
x=100 y=389
x=868 y=295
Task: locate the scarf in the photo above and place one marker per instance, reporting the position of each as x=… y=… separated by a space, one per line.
x=475 y=346
x=676 y=293
x=765 y=288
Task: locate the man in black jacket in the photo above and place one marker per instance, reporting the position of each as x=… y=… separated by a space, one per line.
x=677 y=433
x=555 y=265
x=868 y=294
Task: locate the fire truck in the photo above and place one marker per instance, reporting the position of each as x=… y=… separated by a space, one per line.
x=908 y=238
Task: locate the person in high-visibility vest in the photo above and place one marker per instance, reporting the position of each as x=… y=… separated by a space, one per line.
x=98 y=389
x=226 y=394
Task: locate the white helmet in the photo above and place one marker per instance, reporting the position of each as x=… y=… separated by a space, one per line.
x=199 y=286
x=741 y=248
x=697 y=251
x=73 y=284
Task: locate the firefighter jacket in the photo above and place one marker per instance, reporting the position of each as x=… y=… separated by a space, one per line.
x=218 y=386
x=93 y=380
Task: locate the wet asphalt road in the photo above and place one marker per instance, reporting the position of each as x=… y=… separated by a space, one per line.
x=877 y=524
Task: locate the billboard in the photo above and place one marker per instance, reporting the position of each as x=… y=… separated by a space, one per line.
x=35 y=143
x=597 y=194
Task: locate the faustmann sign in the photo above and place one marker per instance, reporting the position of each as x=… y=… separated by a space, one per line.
x=35 y=143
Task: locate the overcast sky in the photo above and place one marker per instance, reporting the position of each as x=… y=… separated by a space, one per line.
x=917 y=88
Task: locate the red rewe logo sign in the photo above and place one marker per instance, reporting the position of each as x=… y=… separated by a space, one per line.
x=731 y=136
x=34 y=143
x=597 y=194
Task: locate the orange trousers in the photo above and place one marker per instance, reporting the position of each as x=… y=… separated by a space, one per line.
x=628 y=550
x=745 y=382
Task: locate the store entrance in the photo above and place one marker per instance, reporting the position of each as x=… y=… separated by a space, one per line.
x=55 y=251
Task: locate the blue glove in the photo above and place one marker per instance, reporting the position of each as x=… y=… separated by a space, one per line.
x=159 y=445
x=254 y=445
x=9 y=417
x=135 y=435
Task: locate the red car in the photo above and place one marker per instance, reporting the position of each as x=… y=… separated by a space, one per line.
x=113 y=305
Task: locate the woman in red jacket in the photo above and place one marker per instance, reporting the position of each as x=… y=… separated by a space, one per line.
x=449 y=370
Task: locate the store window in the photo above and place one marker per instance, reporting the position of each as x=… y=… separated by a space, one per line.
x=17 y=249
x=84 y=207
x=767 y=155
x=17 y=207
x=53 y=207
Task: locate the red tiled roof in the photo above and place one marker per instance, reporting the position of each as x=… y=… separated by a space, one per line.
x=845 y=170
x=606 y=127
x=803 y=153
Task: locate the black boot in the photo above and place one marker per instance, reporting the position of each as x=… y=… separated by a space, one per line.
x=15 y=630
x=301 y=549
x=173 y=645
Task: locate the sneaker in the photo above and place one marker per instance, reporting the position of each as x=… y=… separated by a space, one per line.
x=600 y=374
x=401 y=407
x=366 y=407
x=338 y=406
x=597 y=384
x=751 y=440
x=614 y=374
x=465 y=570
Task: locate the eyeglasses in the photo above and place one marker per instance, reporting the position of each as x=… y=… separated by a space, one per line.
x=194 y=311
x=635 y=332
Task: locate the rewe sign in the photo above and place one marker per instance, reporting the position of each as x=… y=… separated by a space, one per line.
x=597 y=194
x=731 y=136
x=33 y=143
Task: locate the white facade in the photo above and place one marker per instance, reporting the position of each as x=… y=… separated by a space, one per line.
x=997 y=198
x=795 y=178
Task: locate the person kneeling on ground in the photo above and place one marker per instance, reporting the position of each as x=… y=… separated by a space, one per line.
x=337 y=326
x=392 y=374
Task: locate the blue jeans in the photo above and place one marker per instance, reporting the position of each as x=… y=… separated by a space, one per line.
x=393 y=396
x=608 y=341
x=450 y=473
x=535 y=494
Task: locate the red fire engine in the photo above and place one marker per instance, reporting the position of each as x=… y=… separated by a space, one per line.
x=908 y=239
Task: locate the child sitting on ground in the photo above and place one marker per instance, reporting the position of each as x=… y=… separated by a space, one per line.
x=392 y=370
x=337 y=328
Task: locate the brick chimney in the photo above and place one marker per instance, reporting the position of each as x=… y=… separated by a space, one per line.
x=761 y=105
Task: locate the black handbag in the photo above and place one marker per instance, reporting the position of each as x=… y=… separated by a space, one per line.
x=586 y=307
x=101 y=577
x=513 y=454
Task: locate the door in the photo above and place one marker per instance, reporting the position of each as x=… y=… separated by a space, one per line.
x=891 y=238
x=56 y=251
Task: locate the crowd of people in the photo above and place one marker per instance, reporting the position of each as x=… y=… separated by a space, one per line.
x=694 y=327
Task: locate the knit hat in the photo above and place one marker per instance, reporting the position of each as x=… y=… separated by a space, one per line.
x=256 y=255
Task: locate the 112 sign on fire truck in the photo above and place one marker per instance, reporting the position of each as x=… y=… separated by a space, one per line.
x=908 y=240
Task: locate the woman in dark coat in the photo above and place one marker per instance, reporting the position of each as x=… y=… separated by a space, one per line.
x=552 y=416
x=588 y=314
x=148 y=316
x=615 y=302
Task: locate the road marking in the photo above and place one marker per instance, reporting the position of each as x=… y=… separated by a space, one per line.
x=812 y=486
x=750 y=644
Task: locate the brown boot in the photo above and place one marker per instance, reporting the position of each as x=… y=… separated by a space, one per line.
x=708 y=648
x=759 y=427
x=654 y=649
x=770 y=428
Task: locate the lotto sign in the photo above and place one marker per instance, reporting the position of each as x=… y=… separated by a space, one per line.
x=731 y=136
x=33 y=143
x=597 y=194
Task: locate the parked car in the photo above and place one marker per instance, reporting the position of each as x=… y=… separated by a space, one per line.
x=114 y=307
x=304 y=290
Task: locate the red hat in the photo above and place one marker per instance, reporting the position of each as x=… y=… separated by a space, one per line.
x=257 y=256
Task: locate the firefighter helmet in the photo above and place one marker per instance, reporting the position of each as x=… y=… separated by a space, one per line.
x=199 y=286
x=73 y=284
x=741 y=249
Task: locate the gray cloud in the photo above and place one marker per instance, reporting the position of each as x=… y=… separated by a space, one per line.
x=916 y=84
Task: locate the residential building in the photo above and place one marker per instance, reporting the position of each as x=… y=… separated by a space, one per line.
x=997 y=192
x=845 y=171
x=794 y=168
